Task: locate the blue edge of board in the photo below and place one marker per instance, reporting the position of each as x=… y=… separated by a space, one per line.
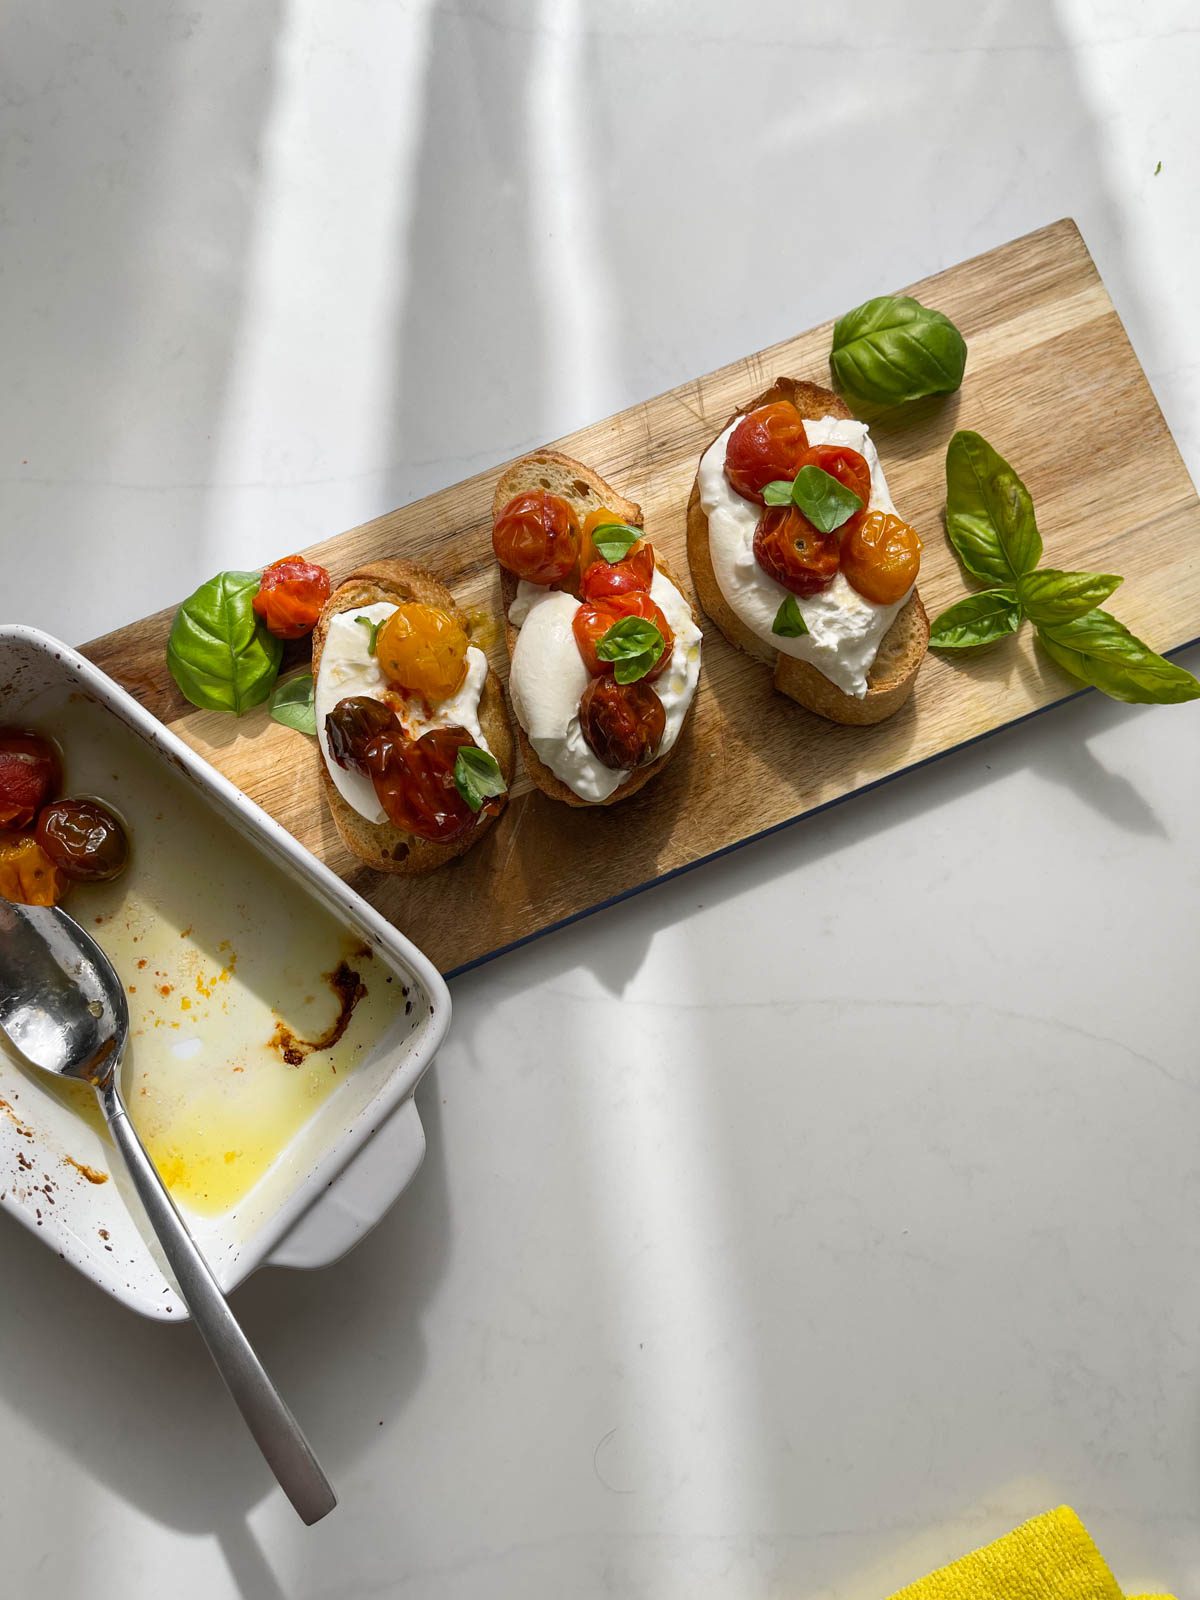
x=778 y=827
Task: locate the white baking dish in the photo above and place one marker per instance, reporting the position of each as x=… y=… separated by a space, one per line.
x=339 y=1172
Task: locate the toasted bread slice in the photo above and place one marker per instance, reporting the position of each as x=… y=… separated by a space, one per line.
x=902 y=649
x=380 y=844
x=585 y=491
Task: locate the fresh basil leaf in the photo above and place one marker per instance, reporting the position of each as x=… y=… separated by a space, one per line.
x=372 y=632
x=824 y=501
x=778 y=493
x=789 y=622
x=634 y=646
x=615 y=539
x=893 y=349
x=1050 y=596
x=1099 y=650
x=218 y=651
x=292 y=704
x=979 y=619
x=989 y=514
x=477 y=775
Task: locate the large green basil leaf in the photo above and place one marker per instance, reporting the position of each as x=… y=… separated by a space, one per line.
x=893 y=349
x=1051 y=596
x=1099 y=650
x=219 y=653
x=989 y=514
x=979 y=619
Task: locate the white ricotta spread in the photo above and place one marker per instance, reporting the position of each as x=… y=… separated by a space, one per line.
x=348 y=668
x=548 y=677
x=844 y=628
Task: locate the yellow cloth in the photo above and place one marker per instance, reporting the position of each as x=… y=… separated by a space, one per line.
x=1050 y=1558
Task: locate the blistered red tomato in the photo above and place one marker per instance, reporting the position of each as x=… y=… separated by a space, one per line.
x=30 y=773
x=768 y=444
x=537 y=537
x=846 y=465
x=633 y=571
x=789 y=549
x=27 y=874
x=623 y=723
x=414 y=780
x=881 y=557
x=595 y=617
x=83 y=839
x=291 y=595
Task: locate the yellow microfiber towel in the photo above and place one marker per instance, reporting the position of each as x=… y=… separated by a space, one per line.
x=1050 y=1558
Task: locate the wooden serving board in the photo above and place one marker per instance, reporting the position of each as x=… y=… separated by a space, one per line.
x=1051 y=382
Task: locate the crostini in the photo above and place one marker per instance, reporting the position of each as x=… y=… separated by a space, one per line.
x=416 y=748
x=798 y=555
x=603 y=646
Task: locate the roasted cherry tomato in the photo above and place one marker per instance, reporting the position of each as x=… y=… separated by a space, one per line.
x=633 y=571
x=422 y=650
x=30 y=772
x=768 y=444
x=414 y=779
x=27 y=873
x=352 y=724
x=595 y=617
x=623 y=723
x=537 y=537
x=847 y=466
x=789 y=549
x=881 y=557
x=291 y=595
x=83 y=839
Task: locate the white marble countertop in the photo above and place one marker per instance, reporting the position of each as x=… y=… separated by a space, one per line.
x=802 y=1223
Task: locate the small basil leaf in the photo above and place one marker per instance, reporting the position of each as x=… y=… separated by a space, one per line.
x=615 y=539
x=634 y=646
x=477 y=775
x=789 y=622
x=218 y=652
x=292 y=704
x=1099 y=650
x=989 y=514
x=824 y=501
x=372 y=632
x=893 y=349
x=1051 y=597
x=979 y=619
x=778 y=493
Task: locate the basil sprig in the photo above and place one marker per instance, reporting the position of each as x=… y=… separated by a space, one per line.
x=893 y=349
x=292 y=704
x=614 y=540
x=477 y=776
x=372 y=632
x=634 y=646
x=219 y=652
x=789 y=620
x=823 y=500
x=991 y=524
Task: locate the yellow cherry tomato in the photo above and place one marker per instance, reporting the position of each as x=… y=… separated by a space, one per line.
x=422 y=651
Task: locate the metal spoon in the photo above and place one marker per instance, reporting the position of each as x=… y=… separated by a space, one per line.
x=63 y=1006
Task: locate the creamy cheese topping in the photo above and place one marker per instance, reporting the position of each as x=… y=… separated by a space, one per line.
x=844 y=628
x=347 y=668
x=548 y=677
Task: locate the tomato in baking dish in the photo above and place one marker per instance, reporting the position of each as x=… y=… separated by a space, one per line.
x=30 y=773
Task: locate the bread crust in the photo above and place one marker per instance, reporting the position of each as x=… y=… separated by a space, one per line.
x=893 y=673
x=382 y=845
x=587 y=492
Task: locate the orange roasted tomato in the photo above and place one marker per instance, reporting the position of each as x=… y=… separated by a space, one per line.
x=623 y=723
x=537 y=537
x=767 y=444
x=30 y=773
x=423 y=651
x=847 y=466
x=595 y=617
x=881 y=557
x=27 y=873
x=291 y=595
x=789 y=549
x=633 y=571
x=414 y=780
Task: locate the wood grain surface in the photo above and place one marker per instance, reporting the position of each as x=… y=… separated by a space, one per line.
x=1051 y=382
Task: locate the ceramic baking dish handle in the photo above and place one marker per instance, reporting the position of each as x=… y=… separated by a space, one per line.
x=358 y=1197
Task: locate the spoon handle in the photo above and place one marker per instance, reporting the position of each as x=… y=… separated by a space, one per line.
x=275 y=1429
